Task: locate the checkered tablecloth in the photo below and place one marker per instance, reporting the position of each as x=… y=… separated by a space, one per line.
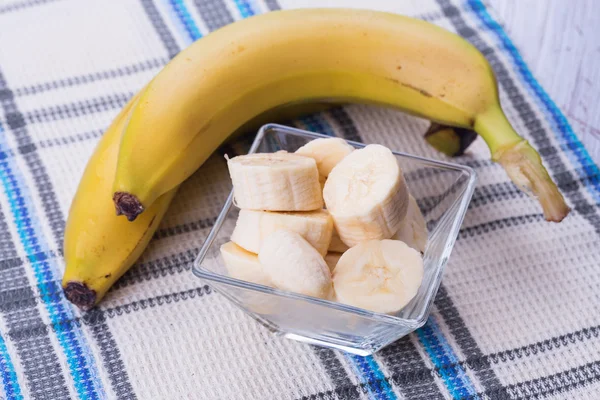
x=517 y=316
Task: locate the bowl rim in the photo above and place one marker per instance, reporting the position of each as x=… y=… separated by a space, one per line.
x=461 y=202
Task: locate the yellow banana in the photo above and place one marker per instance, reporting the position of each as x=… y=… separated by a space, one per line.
x=244 y=69
x=99 y=246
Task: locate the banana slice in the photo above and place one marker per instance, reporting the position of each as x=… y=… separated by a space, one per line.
x=332 y=259
x=413 y=230
x=336 y=244
x=252 y=227
x=243 y=265
x=378 y=275
x=275 y=182
x=294 y=265
x=366 y=195
x=327 y=153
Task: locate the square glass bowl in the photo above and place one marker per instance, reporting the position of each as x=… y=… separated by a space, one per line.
x=442 y=190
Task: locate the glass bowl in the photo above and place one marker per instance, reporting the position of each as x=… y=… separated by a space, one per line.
x=442 y=190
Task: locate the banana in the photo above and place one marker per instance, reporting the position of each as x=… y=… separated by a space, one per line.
x=99 y=247
x=275 y=182
x=252 y=227
x=336 y=244
x=327 y=153
x=244 y=69
x=378 y=275
x=331 y=259
x=242 y=264
x=413 y=229
x=366 y=195
x=293 y=264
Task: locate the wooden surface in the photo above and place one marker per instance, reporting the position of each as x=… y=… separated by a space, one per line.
x=560 y=41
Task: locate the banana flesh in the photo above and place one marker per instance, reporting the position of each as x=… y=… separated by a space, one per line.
x=413 y=229
x=332 y=259
x=327 y=153
x=252 y=227
x=275 y=182
x=378 y=275
x=367 y=200
x=294 y=265
x=336 y=244
x=241 y=71
x=366 y=195
x=243 y=265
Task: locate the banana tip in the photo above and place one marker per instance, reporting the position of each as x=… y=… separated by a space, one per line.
x=80 y=294
x=128 y=205
x=558 y=215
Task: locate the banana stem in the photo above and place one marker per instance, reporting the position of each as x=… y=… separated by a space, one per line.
x=80 y=294
x=521 y=162
x=128 y=205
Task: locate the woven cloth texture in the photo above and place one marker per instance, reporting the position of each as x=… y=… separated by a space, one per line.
x=517 y=315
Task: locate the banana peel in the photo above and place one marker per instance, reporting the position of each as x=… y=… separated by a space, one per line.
x=222 y=81
x=99 y=247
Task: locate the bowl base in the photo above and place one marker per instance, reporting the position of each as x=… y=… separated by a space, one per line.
x=360 y=351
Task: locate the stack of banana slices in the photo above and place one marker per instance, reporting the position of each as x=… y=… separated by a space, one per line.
x=328 y=221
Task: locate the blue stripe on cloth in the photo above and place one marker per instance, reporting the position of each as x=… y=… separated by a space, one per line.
x=445 y=360
x=80 y=360
x=380 y=382
x=371 y=377
x=186 y=20
x=244 y=8
x=12 y=390
x=574 y=149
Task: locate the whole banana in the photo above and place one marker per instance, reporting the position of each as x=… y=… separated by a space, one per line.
x=236 y=73
x=99 y=246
